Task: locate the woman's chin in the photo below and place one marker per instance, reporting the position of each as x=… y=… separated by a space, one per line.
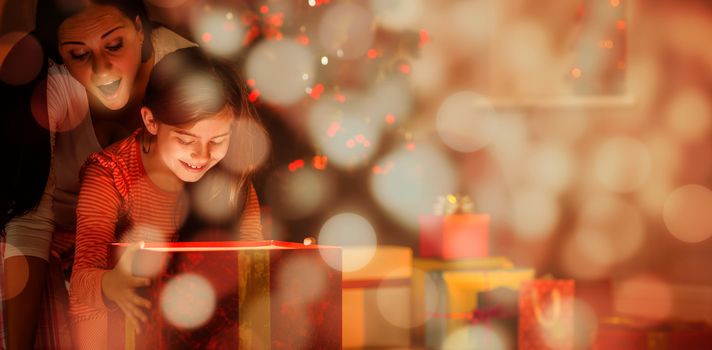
x=114 y=105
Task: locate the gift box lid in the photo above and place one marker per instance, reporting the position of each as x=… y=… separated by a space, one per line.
x=221 y=246
x=388 y=262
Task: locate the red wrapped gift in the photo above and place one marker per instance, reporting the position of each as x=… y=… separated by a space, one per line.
x=618 y=333
x=546 y=314
x=218 y=295
x=454 y=236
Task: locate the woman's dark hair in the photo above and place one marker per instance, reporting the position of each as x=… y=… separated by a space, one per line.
x=51 y=14
x=187 y=86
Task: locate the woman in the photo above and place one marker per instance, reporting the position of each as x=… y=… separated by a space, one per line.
x=100 y=55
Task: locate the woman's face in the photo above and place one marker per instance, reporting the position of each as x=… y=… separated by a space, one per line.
x=190 y=151
x=101 y=47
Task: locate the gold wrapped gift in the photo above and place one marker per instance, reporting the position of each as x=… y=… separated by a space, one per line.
x=376 y=298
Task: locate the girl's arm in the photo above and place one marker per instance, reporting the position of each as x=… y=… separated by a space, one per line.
x=97 y=214
x=250 y=224
x=92 y=283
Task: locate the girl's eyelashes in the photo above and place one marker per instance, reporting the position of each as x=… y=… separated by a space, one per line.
x=217 y=142
x=184 y=141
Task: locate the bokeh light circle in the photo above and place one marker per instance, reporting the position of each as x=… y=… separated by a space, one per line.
x=211 y=197
x=278 y=69
x=535 y=212
x=344 y=132
x=466 y=121
x=399 y=184
x=551 y=166
x=389 y=97
x=611 y=230
x=473 y=337
x=585 y=324
x=187 y=301
x=298 y=194
x=687 y=212
x=657 y=303
x=348 y=230
x=687 y=115
x=622 y=164
x=20 y=271
x=250 y=147
x=217 y=31
x=346 y=28
x=390 y=300
x=21 y=58
x=398 y=14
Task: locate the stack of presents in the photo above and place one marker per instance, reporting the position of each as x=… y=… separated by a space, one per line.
x=453 y=295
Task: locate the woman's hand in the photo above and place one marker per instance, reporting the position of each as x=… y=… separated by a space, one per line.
x=119 y=286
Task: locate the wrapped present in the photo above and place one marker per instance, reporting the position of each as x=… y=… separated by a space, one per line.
x=376 y=298
x=425 y=271
x=617 y=333
x=546 y=314
x=457 y=297
x=247 y=295
x=455 y=236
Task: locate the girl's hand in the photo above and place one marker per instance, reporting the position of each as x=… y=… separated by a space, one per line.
x=119 y=286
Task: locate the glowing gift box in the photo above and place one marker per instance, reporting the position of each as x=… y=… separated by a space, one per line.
x=425 y=296
x=457 y=294
x=247 y=295
x=376 y=298
x=546 y=314
x=454 y=236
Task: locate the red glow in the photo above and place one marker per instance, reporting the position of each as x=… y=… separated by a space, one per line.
x=377 y=169
x=276 y=19
x=302 y=39
x=250 y=82
x=620 y=24
x=254 y=95
x=350 y=143
x=206 y=37
x=333 y=129
x=264 y=9
x=316 y=91
x=390 y=118
x=341 y=98
x=424 y=38
x=372 y=53
x=411 y=146
x=360 y=138
x=293 y=166
x=405 y=68
x=319 y=162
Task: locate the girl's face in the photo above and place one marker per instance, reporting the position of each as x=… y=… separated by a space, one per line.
x=101 y=47
x=190 y=151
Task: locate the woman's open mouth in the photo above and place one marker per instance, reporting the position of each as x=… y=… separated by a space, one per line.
x=109 y=90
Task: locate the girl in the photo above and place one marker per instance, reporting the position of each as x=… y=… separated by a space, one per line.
x=97 y=58
x=194 y=111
